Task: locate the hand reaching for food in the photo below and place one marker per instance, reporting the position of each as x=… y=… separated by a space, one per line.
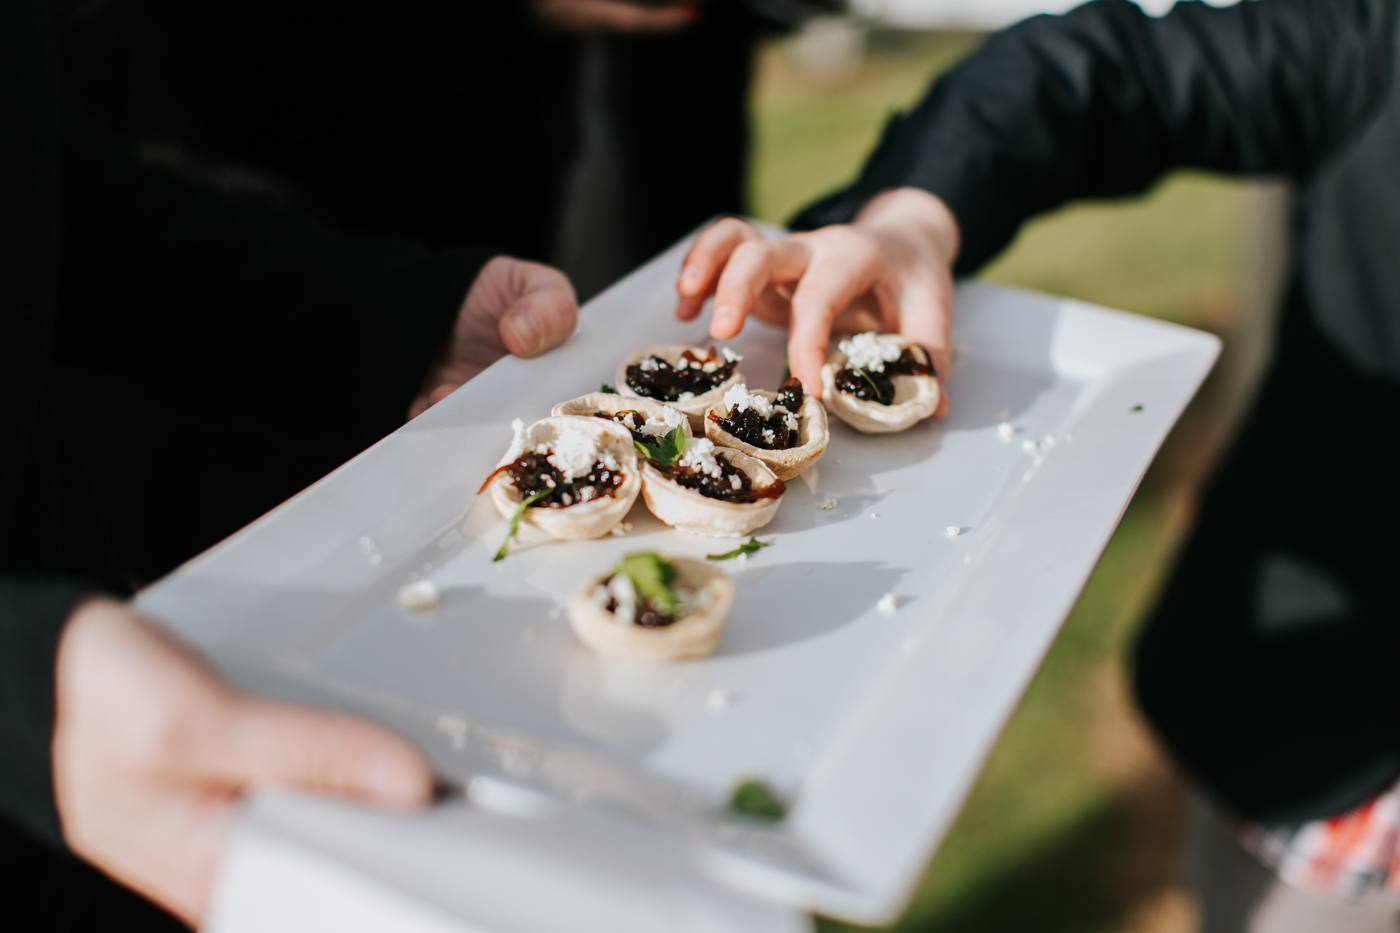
x=890 y=270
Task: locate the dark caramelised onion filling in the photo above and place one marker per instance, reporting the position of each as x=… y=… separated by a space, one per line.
x=771 y=432
x=879 y=386
x=532 y=473
x=724 y=487
x=655 y=378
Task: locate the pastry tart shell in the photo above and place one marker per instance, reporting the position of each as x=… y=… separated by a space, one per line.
x=915 y=397
x=587 y=405
x=813 y=433
x=695 y=408
x=582 y=519
x=688 y=511
x=694 y=635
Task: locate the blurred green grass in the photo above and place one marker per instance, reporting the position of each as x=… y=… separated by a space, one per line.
x=1073 y=823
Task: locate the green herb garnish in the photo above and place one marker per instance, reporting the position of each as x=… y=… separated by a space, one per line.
x=749 y=547
x=878 y=394
x=667 y=450
x=757 y=800
x=1136 y=408
x=607 y=389
x=651 y=577
x=787 y=370
x=514 y=533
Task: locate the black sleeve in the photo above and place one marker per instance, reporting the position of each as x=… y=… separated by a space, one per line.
x=1103 y=100
x=256 y=309
x=32 y=614
x=125 y=264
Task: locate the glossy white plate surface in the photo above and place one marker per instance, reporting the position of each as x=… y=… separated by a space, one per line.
x=874 y=726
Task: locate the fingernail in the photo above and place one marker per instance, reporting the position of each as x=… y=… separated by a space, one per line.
x=526 y=331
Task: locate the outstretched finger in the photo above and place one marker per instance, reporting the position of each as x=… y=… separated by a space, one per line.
x=701 y=269
x=753 y=268
x=836 y=279
x=925 y=316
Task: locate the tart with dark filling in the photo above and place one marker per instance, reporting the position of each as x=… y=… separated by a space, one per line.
x=687 y=378
x=646 y=420
x=653 y=609
x=787 y=429
x=713 y=491
x=880 y=383
x=573 y=477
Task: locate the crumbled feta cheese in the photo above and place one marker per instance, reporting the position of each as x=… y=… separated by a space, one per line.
x=738 y=398
x=790 y=422
x=520 y=442
x=586 y=493
x=669 y=421
x=629 y=421
x=735 y=483
x=888 y=604
x=827 y=504
x=700 y=456
x=729 y=355
x=419 y=596
x=649 y=365
x=710 y=366
x=1007 y=430
x=620 y=590
x=573 y=453
x=685 y=397
x=953 y=531
x=868 y=352
x=768 y=436
x=693 y=600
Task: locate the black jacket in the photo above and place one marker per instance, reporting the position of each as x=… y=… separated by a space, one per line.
x=105 y=260
x=1268 y=668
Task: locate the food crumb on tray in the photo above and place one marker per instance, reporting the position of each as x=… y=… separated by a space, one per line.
x=827 y=504
x=419 y=596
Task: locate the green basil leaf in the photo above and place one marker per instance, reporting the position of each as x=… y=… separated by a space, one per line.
x=514 y=533
x=607 y=389
x=757 y=800
x=667 y=449
x=651 y=577
x=749 y=547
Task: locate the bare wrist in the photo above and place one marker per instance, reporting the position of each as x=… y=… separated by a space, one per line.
x=914 y=211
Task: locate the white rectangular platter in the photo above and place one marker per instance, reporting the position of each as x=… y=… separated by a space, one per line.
x=873 y=725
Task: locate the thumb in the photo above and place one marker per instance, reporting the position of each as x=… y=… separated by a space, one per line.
x=318 y=750
x=544 y=315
